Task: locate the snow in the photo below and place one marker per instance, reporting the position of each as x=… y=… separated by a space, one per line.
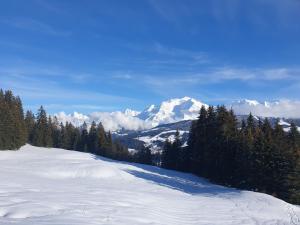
x=130 y=112
x=41 y=186
x=149 y=140
x=178 y=109
x=283 y=123
x=171 y=111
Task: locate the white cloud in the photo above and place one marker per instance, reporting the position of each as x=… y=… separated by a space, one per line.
x=282 y=108
x=35 y=25
x=111 y=120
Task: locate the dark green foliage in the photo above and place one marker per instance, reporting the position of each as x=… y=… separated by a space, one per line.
x=13 y=133
x=29 y=123
x=256 y=157
x=168 y=160
x=171 y=154
x=102 y=141
x=42 y=135
x=144 y=156
x=93 y=138
x=45 y=131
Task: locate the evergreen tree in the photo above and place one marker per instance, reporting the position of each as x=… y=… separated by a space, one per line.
x=84 y=138
x=167 y=155
x=101 y=140
x=56 y=133
x=176 y=151
x=12 y=125
x=42 y=131
x=144 y=156
x=29 y=123
x=93 y=138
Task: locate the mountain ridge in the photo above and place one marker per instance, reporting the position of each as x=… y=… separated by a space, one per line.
x=176 y=110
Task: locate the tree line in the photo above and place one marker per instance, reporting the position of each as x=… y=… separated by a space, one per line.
x=45 y=131
x=255 y=156
x=12 y=124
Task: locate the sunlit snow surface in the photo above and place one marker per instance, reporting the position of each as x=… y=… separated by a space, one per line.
x=59 y=187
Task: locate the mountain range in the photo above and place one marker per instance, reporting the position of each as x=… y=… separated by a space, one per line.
x=155 y=123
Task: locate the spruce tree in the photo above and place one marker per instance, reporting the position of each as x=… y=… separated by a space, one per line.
x=42 y=131
x=166 y=161
x=84 y=138
x=144 y=156
x=12 y=126
x=101 y=140
x=93 y=138
x=29 y=123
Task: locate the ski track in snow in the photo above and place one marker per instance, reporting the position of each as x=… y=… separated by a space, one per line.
x=58 y=187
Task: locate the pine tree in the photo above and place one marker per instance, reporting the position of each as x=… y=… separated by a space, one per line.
x=2 y=120
x=29 y=123
x=101 y=140
x=12 y=126
x=56 y=133
x=93 y=138
x=167 y=155
x=84 y=138
x=144 y=156
x=77 y=140
x=197 y=142
x=176 y=151
x=42 y=131
x=293 y=155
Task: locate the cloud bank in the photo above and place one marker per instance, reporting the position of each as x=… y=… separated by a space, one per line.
x=282 y=108
x=112 y=121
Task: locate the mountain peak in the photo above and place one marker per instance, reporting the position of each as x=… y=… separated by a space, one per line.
x=172 y=110
x=130 y=112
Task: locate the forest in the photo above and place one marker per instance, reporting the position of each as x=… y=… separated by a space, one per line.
x=254 y=156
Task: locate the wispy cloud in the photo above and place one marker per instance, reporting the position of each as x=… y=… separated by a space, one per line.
x=72 y=107
x=215 y=75
x=122 y=76
x=195 y=57
x=180 y=83
x=35 y=89
x=50 y=6
x=171 y=11
x=36 y=26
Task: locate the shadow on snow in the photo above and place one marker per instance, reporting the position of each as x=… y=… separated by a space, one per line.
x=184 y=182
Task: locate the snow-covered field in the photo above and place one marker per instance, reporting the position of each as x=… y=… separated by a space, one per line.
x=59 y=187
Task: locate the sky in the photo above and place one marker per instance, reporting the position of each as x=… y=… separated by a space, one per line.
x=107 y=55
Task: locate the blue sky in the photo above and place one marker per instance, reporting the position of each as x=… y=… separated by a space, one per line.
x=110 y=55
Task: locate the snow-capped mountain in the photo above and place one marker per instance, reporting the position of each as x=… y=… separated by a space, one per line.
x=77 y=119
x=176 y=110
x=172 y=111
x=130 y=112
x=156 y=123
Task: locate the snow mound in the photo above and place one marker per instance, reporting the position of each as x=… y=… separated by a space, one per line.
x=54 y=187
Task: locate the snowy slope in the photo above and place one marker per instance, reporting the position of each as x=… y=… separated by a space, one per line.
x=42 y=186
